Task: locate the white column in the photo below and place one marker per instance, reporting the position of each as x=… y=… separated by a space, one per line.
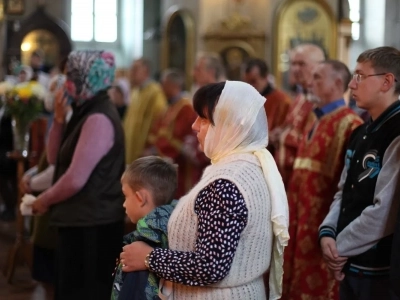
x=132 y=29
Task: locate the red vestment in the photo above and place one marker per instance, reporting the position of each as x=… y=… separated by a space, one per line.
x=276 y=108
x=298 y=121
x=316 y=173
x=169 y=135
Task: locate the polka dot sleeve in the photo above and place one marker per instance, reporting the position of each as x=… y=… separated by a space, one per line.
x=222 y=216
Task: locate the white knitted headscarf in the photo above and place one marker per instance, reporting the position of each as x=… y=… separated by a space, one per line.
x=241 y=127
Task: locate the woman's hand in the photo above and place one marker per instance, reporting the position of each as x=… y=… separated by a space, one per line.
x=60 y=106
x=132 y=256
x=39 y=207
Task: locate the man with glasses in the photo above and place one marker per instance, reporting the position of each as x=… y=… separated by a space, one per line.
x=357 y=234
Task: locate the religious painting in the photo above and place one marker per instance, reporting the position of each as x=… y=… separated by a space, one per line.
x=15 y=7
x=233 y=58
x=298 y=22
x=178 y=44
x=43 y=40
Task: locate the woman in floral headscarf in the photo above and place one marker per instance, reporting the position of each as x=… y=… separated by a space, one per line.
x=85 y=201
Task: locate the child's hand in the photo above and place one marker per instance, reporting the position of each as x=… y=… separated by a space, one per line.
x=338 y=275
x=133 y=256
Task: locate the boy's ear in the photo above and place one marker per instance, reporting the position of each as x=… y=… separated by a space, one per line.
x=143 y=197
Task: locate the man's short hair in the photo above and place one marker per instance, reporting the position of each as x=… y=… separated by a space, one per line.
x=341 y=69
x=213 y=62
x=383 y=60
x=258 y=63
x=154 y=174
x=146 y=63
x=173 y=75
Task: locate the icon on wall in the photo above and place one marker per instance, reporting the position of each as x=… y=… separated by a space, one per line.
x=299 y=22
x=15 y=7
x=233 y=58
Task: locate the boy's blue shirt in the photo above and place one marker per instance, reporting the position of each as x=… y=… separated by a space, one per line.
x=153 y=230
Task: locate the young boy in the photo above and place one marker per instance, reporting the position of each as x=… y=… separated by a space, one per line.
x=357 y=234
x=149 y=185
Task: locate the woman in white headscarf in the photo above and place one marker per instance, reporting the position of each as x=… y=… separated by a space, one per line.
x=25 y=74
x=233 y=225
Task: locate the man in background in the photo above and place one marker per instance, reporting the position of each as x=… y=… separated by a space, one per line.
x=277 y=104
x=147 y=105
x=313 y=184
x=208 y=69
x=286 y=138
x=175 y=126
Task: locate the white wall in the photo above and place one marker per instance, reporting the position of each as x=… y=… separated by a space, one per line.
x=379 y=26
x=130 y=36
x=131 y=30
x=392 y=23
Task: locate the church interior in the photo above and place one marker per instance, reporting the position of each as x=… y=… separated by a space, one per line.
x=162 y=35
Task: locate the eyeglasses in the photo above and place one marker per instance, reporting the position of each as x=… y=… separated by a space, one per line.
x=360 y=77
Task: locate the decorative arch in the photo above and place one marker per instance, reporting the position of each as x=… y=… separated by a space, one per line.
x=301 y=21
x=38 y=20
x=178 y=42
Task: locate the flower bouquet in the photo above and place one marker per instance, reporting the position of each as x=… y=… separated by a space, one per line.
x=24 y=103
x=5 y=87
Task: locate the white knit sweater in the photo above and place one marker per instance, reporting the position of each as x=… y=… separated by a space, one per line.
x=253 y=253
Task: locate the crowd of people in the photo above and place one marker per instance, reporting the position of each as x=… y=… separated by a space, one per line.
x=238 y=190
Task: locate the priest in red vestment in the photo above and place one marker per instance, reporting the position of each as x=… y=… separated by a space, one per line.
x=173 y=137
x=314 y=180
x=277 y=104
x=286 y=138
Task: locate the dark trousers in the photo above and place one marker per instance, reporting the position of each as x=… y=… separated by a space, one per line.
x=8 y=191
x=360 y=288
x=85 y=261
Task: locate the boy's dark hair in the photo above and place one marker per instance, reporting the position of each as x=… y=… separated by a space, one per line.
x=154 y=174
x=383 y=60
x=256 y=63
x=206 y=98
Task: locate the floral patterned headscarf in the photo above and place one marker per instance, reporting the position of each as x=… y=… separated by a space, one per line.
x=89 y=72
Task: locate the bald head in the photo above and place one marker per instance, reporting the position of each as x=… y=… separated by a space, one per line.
x=311 y=51
x=303 y=59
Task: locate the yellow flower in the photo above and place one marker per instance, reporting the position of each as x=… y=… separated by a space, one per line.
x=24 y=93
